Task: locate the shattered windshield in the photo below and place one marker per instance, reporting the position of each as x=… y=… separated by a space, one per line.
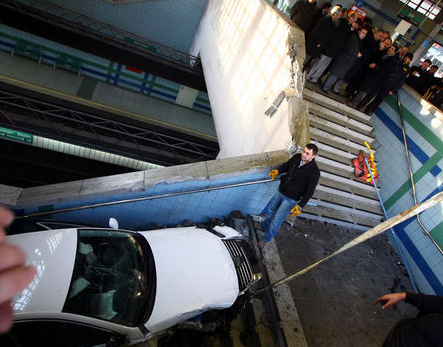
x=113 y=277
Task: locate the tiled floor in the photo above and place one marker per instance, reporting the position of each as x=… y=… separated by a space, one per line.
x=334 y=300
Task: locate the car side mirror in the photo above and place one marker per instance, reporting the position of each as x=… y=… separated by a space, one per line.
x=113 y=223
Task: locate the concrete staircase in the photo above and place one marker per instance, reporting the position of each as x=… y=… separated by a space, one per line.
x=340 y=131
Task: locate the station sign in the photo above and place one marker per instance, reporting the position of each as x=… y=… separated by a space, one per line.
x=16 y=135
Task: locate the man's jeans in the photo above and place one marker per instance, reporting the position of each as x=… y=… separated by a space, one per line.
x=276 y=212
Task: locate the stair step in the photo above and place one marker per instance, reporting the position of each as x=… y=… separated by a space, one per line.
x=344 y=184
x=318 y=111
x=343 y=213
x=336 y=106
x=339 y=197
x=336 y=141
x=336 y=154
x=331 y=166
x=339 y=130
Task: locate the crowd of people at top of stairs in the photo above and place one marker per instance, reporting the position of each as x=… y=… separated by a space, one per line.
x=344 y=50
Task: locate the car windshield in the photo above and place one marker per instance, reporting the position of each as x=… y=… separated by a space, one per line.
x=113 y=277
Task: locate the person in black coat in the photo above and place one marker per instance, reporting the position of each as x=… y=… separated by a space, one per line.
x=320 y=35
x=419 y=76
x=302 y=13
x=432 y=82
x=399 y=73
x=319 y=14
x=378 y=74
x=423 y=331
x=344 y=61
x=333 y=46
x=295 y=189
x=358 y=70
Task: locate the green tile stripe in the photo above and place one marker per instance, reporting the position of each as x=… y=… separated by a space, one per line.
x=437 y=234
x=429 y=136
x=422 y=129
x=108 y=68
x=151 y=84
x=417 y=177
x=202 y=99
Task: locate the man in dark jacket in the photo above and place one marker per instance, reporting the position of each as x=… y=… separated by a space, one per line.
x=432 y=81
x=333 y=46
x=320 y=35
x=296 y=188
x=344 y=61
x=423 y=331
x=398 y=75
x=372 y=43
x=419 y=77
x=378 y=74
x=319 y=14
x=302 y=13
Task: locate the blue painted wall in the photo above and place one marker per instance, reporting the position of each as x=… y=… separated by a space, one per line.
x=198 y=207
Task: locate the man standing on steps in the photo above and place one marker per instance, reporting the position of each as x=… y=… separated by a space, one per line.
x=296 y=188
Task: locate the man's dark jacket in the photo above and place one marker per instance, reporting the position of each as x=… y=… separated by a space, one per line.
x=302 y=13
x=399 y=73
x=378 y=74
x=349 y=54
x=320 y=36
x=418 y=82
x=299 y=182
x=338 y=38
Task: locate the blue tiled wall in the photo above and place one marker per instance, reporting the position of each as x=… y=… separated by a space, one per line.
x=424 y=133
x=198 y=207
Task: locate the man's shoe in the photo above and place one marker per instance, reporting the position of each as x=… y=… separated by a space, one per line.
x=324 y=91
x=350 y=104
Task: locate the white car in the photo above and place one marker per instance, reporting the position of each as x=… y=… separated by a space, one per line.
x=105 y=286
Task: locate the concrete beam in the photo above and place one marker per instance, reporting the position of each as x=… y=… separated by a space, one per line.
x=141 y=180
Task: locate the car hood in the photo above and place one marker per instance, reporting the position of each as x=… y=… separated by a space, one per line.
x=52 y=252
x=195 y=273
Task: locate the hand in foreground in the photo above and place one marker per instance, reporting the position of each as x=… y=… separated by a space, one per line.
x=390 y=299
x=14 y=275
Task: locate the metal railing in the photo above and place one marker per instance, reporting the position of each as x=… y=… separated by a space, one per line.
x=145 y=198
x=411 y=175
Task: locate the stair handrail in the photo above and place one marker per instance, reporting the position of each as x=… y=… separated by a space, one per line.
x=425 y=231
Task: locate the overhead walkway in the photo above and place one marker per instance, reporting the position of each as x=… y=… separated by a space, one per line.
x=64 y=106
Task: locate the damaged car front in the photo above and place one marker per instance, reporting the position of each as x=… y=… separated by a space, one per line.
x=133 y=285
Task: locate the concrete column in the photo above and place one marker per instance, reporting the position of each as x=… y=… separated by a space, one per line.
x=251 y=54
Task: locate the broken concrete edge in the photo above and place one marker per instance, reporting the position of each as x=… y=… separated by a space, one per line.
x=14 y=197
x=9 y=195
